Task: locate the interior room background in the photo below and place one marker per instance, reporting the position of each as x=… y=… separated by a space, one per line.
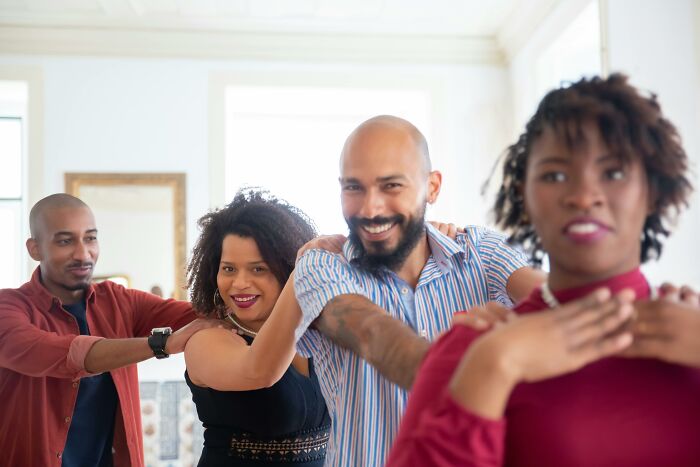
x=263 y=93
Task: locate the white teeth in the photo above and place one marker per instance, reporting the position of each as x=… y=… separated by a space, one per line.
x=247 y=299
x=377 y=228
x=583 y=228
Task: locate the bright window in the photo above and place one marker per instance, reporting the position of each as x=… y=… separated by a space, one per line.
x=288 y=140
x=11 y=197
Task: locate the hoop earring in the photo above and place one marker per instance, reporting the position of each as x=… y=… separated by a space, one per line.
x=218 y=306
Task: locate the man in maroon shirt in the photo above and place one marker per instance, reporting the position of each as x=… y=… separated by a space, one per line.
x=68 y=384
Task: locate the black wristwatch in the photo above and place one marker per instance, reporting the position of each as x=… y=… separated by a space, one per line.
x=157 y=340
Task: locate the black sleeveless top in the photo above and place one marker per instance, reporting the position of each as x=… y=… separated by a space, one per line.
x=287 y=423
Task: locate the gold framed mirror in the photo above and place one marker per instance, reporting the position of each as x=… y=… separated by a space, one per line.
x=141 y=223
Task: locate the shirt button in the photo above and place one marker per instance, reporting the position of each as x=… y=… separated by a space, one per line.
x=67 y=419
x=75 y=384
x=404 y=290
x=423 y=333
x=59 y=454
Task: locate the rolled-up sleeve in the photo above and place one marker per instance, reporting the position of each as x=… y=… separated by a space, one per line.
x=500 y=261
x=319 y=277
x=28 y=350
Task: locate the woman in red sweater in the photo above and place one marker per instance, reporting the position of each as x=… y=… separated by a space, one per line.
x=594 y=370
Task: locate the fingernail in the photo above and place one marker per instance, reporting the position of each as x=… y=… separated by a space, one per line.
x=462 y=312
x=626 y=310
x=627 y=294
x=624 y=340
x=602 y=294
x=480 y=323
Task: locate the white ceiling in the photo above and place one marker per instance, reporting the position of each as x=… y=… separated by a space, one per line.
x=496 y=25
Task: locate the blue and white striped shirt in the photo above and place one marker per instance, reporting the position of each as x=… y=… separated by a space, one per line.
x=366 y=408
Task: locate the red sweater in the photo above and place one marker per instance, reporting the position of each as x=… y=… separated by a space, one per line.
x=42 y=356
x=614 y=412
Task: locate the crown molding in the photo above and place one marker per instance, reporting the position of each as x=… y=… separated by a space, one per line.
x=313 y=47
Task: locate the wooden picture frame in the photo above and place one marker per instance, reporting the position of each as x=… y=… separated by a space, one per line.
x=109 y=184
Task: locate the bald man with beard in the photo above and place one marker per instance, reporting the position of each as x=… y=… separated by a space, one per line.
x=394 y=288
x=68 y=348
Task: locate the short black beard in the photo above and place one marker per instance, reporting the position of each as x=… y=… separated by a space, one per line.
x=375 y=263
x=72 y=288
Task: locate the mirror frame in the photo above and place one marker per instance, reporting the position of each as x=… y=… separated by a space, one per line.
x=74 y=180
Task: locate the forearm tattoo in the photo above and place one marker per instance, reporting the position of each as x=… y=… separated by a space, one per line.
x=393 y=348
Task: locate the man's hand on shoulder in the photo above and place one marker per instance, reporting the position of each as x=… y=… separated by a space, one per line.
x=177 y=341
x=449 y=230
x=331 y=243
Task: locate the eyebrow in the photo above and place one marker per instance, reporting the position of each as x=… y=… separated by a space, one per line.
x=389 y=178
x=386 y=178
x=251 y=263
x=66 y=233
x=552 y=160
x=564 y=160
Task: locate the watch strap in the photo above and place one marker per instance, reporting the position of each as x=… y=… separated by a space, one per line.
x=156 y=341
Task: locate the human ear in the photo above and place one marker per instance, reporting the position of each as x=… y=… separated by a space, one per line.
x=434 y=184
x=33 y=249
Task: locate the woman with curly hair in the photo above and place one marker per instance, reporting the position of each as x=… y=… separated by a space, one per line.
x=260 y=403
x=593 y=369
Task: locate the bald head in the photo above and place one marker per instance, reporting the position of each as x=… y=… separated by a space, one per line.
x=51 y=203
x=390 y=130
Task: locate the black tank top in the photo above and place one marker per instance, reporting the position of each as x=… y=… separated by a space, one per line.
x=287 y=423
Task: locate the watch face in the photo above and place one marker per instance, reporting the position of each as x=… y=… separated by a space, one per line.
x=161 y=331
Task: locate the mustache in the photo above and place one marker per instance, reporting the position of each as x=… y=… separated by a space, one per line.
x=80 y=264
x=355 y=221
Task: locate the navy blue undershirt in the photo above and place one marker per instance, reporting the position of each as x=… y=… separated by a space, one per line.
x=92 y=426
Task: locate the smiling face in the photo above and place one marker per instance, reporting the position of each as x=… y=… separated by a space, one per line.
x=385 y=186
x=587 y=206
x=67 y=249
x=245 y=281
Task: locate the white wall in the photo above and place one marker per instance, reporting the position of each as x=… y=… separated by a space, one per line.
x=151 y=115
x=656 y=43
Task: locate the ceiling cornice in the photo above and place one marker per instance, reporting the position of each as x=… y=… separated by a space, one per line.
x=306 y=47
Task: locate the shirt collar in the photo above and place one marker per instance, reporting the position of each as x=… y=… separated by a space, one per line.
x=442 y=248
x=43 y=297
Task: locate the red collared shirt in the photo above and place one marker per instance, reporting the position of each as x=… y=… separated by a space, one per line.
x=42 y=358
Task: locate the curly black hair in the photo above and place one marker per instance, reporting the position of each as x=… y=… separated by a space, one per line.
x=278 y=228
x=631 y=125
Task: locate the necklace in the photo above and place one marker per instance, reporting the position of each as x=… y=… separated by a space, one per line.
x=548 y=296
x=242 y=330
x=552 y=302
